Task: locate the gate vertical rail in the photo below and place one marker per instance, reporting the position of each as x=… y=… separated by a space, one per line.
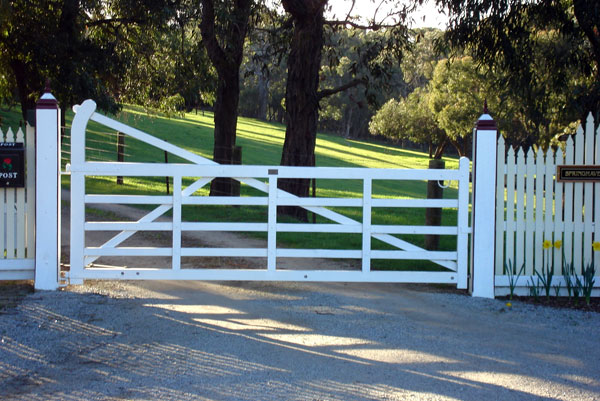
x=78 y=193
x=366 y=239
x=272 y=222
x=463 y=223
x=176 y=261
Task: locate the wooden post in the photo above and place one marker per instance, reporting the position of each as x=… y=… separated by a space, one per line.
x=167 y=177
x=47 y=202
x=120 y=153
x=433 y=215
x=484 y=207
x=237 y=160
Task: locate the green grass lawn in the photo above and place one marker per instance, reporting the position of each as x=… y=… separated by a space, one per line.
x=262 y=144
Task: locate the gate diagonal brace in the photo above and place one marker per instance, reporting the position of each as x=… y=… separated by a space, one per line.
x=199 y=160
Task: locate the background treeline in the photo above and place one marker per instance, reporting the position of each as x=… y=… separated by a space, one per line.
x=534 y=62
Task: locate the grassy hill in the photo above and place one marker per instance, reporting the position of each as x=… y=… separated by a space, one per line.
x=261 y=143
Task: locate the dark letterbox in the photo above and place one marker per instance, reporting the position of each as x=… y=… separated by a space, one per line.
x=12 y=165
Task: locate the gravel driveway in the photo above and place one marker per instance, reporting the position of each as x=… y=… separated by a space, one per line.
x=292 y=341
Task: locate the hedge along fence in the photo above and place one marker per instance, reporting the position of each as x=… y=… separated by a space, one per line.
x=542 y=221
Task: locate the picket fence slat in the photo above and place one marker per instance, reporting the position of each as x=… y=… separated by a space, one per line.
x=597 y=201
x=578 y=204
x=588 y=193
x=30 y=189
x=510 y=206
x=520 y=227
x=568 y=226
x=548 y=201
x=10 y=211
x=540 y=235
x=3 y=214
x=529 y=207
x=20 y=199
x=500 y=174
x=559 y=211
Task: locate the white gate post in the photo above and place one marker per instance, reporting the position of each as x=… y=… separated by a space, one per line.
x=484 y=207
x=47 y=195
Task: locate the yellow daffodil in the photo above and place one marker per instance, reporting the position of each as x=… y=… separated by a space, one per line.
x=596 y=246
x=547 y=244
x=557 y=244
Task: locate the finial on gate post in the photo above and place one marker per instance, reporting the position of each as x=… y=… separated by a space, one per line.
x=486 y=121
x=47 y=100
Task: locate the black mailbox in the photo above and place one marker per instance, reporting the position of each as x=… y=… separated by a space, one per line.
x=12 y=165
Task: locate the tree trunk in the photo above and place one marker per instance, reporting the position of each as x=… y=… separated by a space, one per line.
x=347 y=133
x=225 y=116
x=226 y=53
x=301 y=99
x=439 y=150
x=263 y=96
x=27 y=102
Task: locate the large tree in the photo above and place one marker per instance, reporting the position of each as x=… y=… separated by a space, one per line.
x=304 y=65
x=302 y=97
x=224 y=26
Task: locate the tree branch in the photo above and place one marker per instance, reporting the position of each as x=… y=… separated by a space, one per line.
x=209 y=38
x=328 y=92
x=112 y=21
x=373 y=26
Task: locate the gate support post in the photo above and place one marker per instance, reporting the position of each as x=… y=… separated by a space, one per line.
x=484 y=207
x=47 y=202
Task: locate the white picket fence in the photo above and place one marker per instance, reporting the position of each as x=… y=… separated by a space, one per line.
x=17 y=219
x=533 y=207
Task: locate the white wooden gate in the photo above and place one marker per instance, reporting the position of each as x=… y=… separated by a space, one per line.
x=17 y=215
x=263 y=178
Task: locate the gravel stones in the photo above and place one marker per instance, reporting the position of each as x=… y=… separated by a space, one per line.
x=291 y=341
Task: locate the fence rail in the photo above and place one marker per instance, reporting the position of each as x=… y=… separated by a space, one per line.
x=17 y=218
x=533 y=207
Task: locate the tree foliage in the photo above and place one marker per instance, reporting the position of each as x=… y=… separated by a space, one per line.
x=412 y=119
x=72 y=43
x=504 y=35
x=457 y=95
x=167 y=67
